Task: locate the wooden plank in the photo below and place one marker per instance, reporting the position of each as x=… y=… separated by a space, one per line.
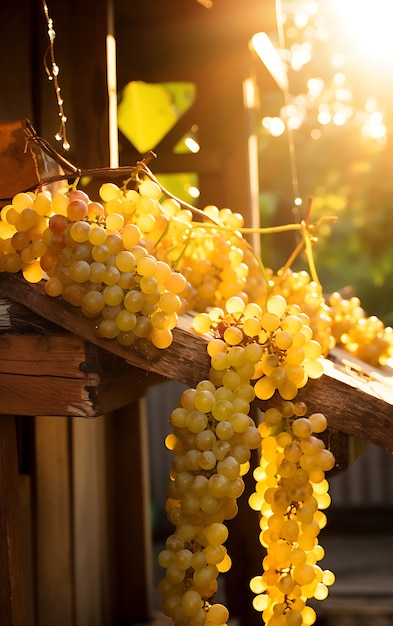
x=54 y=566
x=59 y=374
x=42 y=355
x=26 y=524
x=185 y=361
x=90 y=397
x=119 y=387
x=12 y=582
x=44 y=395
x=16 y=318
x=351 y=400
x=129 y=524
x=89 y=524
x=351 y=409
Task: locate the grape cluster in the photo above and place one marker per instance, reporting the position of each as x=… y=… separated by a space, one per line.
x=254 y=353
x=336 y=320
x=134 y=261
x=131 y=262
x=298 y=288
x=212 y=439
x=95 y=260
x=217 y=261
x=365 y=337
x=278 y=340
x=291 y=493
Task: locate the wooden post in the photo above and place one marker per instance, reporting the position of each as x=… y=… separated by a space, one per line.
x=89 y=521
x=12 y=583
x=53 y=506
x=129 y=527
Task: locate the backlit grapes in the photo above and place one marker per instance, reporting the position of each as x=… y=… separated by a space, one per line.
x=132 y=261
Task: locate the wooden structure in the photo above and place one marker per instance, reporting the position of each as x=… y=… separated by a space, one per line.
x=346 y=382
x=74 y=518
x=155 y=43
x=80 y=555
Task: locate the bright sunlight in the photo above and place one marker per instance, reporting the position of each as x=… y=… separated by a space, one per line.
x=367 y=25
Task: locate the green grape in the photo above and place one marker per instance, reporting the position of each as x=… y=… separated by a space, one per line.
x=92 y=303
x=133 y=301
x=80 y=271
x=143 y=326
x=108 y=329
x=33 y=273
x=80 y=231
x=125 y=261
x=204 y=400
x=100 y=253
x=110 y=191
x=113 y=295
x=97 y=235
x=110 y=275
x=12 y=262
x=125 y=320
x=264 y=388
x=302 y=427
x=96 y=271
x=114 y=221
x=53 y=287
x=149 y=284
x=21 y=201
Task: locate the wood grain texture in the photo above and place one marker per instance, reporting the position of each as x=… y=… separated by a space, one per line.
x=357 y=399
x=185 y=361
x=39 y=355
x=130 y=576
x=89 y=510
x=12 y=582
x=54 y=559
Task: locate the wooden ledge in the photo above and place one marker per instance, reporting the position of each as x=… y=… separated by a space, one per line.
x=356 y=398
x=185 y=361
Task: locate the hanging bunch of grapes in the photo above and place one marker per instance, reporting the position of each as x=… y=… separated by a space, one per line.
x=132 y=261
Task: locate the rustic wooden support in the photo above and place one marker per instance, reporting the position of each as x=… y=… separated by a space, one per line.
x=54 y=531
x=358 y=400
x=64 y=375
x=89 y=520
x=130 y=577
x=12 y=582
x=185 y=360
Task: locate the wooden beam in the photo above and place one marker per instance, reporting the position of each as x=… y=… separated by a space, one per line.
x=129 y=525
x=12 y=582
x=351 y=397
x=185 y=361
x=60 y=374
x=357 y=401
x=54 y=559
x=89 y=511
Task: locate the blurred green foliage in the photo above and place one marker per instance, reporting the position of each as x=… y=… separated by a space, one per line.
x=347 y=176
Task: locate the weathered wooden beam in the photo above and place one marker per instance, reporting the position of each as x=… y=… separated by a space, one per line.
x=185 y=361
x=12 y=583
x=60 y=374
x=357 y=399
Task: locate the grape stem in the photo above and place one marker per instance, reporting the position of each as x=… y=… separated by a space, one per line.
x=306 y=241
x=77 y=173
